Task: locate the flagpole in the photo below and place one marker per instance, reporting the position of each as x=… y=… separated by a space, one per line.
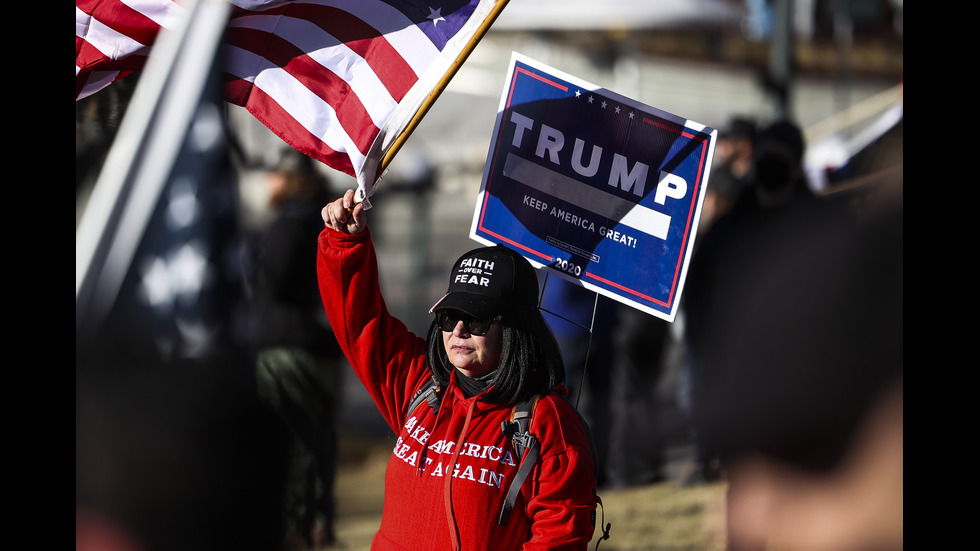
x=437 y=91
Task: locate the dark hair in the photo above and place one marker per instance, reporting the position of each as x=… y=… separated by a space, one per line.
x=530 y=360
x=812 y=338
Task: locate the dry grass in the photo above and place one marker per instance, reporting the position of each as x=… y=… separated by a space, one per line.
x=657 y=517
x=665 y=517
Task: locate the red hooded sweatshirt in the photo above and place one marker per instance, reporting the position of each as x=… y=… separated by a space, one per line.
x=450 y=470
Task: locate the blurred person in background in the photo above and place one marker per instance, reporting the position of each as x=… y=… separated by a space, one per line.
x=730 y=176
x=802 y=379
x=588 y=355
x=743 y=235
x=732 y=171
x=637 y=440
x=297 y=356
x=623 y=359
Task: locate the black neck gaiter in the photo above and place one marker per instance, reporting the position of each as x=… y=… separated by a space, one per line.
x=472 y=386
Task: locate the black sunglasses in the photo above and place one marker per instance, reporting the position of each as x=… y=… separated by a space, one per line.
x=447 y=322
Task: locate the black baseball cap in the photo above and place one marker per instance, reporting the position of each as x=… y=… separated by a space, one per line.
x=490 y=281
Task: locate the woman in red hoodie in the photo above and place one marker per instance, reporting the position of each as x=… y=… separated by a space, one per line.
x=488 y=349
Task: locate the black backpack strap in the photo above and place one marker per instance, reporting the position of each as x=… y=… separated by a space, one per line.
x=429 y=392
x=518 y=430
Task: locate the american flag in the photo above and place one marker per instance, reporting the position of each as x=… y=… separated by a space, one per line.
x=342 y=81
x=152 y=279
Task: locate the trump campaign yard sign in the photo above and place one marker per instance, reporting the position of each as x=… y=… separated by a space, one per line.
x=599 y=189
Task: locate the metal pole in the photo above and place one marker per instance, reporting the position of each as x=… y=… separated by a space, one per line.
x=142 y=157
x=781 y=56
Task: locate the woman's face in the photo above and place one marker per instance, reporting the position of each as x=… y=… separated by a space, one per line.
x=473 y=355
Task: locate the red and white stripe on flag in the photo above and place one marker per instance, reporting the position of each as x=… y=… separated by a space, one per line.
x=113 y=38
x=327 y=76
